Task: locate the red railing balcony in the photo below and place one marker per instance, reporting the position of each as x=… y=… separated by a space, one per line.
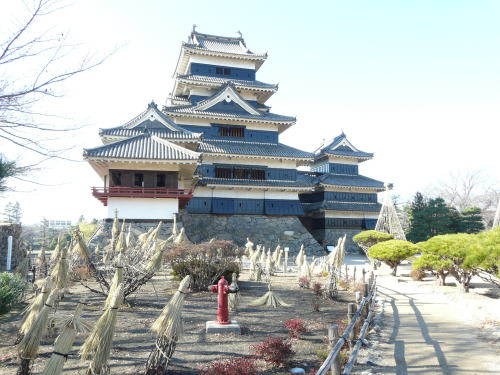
x=103 y=193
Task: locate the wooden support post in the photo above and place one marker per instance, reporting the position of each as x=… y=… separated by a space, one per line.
x=346 y=275
x=351 y=310
x=354 y=277
x=357 y=326
x=333 y=337
x=364 y=314
x=371 y=279
x=364 y=272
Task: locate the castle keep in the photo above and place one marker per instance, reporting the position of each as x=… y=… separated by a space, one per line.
x=213 y=154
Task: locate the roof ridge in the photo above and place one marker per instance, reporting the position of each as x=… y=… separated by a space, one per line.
x=174 y=146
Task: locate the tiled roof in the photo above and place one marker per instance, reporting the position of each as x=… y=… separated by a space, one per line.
x=191 y=110
x=157 y=130
x=226 y=181
x=220 y=81
x=145 y=146
x=239 y=108
x=251 y=148
x=342 y=147
x=233 y=45
x=347 y=180
x=342 y=206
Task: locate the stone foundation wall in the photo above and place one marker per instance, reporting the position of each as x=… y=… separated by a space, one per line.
x=332 y=236
x=288 y=231
x=15 y=231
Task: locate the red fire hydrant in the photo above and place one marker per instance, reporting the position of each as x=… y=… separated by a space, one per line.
x=223 y=289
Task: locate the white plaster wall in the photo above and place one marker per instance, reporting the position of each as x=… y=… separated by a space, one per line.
x=350 y=214
x=282 y=195
x=334 y=159
x=143 y=208
x=145 y=166
x=222 y=61
x=271 y=163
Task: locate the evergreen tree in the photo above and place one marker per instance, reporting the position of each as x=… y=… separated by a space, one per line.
x=418 y=226
x=442 y=219
x=471 y=221
x=17 y=213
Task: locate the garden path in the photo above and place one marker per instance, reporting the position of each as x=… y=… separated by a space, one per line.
x=426 y=332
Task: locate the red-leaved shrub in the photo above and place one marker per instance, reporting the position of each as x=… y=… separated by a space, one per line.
x=317 y=289
x=304 y=282
x=295 y=327
x=240 y=366
x=274 y=350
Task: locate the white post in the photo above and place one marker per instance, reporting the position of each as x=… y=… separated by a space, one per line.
x=9 y=252
x=285 y=263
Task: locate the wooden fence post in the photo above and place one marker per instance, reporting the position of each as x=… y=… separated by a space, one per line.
x=364 y=272
x=366 y=290
x=333 y=337
x=354 y=277
x=346 y=274
x=351 y=310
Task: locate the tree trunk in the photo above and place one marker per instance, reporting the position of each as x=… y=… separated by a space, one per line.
x=24 y=367
x=441 y=278
x=394 y=270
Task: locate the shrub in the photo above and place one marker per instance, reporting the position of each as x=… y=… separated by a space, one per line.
x=368 y=238
x=240 y=366
x=274 y=350
x=317 y=289
x=12 y=288
x=455 y=251
x=322 y=354
x=205 y=262
x=80 y=273
x=392 y=252
x=295 y=327
x=304 y=282
x=417 y=275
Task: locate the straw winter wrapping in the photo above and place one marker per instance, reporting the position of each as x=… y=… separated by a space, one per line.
x=269 y=299
x=305 y=270
x=121 y=243
x=234 y=298
x=169 y=323
x=156 y=260
x=29 y=345
x=300 y=256
x=32 y=310
x=57 y=250
x=81 y=246
x=70 y=326
x=59 y=273
x=99 y=342
x=117 y=280
x=182 y=238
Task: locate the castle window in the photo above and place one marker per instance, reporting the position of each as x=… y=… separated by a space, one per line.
x=232 y=131
x=160 y=180
x=116 y=178
x=139 y=179
x=223 y=172
x=258 y=174
x=219 y=70
x=227 y=71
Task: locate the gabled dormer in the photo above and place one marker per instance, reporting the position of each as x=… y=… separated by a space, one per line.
x=154 y=122
x=228 y=105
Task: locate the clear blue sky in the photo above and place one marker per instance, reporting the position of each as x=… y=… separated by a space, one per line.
x=415 y=82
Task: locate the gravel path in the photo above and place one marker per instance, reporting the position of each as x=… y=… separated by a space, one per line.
x=432 y=330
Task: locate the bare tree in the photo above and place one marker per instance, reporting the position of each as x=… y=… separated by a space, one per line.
x=33 y=65
x=466 y=189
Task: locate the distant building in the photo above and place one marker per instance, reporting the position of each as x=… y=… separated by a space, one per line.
x=213 y=152
x=58 y=224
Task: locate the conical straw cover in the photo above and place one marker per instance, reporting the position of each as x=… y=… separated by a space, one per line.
x=169 y=323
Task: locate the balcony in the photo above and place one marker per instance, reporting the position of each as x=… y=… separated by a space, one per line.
x=103 y=193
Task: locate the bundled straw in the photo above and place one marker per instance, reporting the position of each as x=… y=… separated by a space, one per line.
x=59 y=273
x=99 y=342
x=269 y=299
x=174 y=226
x=42 y=264
x=56 y=252
x=305 y=269
x=234 y=298
x=144 y=236
x=121 y=243
x=32 y=311
x=300 y=256
x=117 y=280
x=115 y=230
x=70 y=326
x=28 y=347
x=169 y=328
x=181 y=238
x=129 y=236
x=156 y=260
x=249 y=248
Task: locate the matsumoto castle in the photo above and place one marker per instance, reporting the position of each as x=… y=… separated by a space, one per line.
x=212 y=156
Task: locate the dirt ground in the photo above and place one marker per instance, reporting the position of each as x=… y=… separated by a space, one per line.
x=133 y=341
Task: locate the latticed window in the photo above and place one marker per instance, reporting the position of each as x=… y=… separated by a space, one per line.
x=223 y=172
x=258 y=174
x=235 y=132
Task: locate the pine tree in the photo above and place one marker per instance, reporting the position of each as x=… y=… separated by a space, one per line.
x=7 y=212
x=17 y=213
x=472 y=221
x=419 y=228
